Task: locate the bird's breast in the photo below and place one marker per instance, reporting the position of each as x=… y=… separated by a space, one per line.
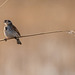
x=8 y=32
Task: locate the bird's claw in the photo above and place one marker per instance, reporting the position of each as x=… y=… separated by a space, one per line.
x=5 y=39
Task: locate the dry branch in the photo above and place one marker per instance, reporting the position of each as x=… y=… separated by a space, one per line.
x=4 y=3
x=37 y=34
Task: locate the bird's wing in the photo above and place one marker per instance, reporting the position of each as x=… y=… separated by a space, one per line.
x=14 y=28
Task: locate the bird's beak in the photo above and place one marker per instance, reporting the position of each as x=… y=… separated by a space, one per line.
x=5 y=24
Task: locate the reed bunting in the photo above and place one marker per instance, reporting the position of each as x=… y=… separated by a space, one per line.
x=10 y=31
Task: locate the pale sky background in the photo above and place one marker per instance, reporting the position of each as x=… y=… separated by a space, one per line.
x=52 y=54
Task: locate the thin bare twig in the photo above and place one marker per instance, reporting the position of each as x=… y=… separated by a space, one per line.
x=4 y=3
x=37 y=34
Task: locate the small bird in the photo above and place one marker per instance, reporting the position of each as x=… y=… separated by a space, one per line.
x=10 y=31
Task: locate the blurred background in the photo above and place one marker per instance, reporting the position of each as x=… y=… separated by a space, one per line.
x=52 y=54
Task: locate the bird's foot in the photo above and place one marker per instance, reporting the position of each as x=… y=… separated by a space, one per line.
x=5 y=39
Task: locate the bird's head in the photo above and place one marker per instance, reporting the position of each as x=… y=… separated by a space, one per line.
x=7 y=22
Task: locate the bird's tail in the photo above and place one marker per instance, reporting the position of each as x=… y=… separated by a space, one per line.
x=18 y=41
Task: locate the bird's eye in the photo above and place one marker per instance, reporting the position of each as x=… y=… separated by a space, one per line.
x=8 y=21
